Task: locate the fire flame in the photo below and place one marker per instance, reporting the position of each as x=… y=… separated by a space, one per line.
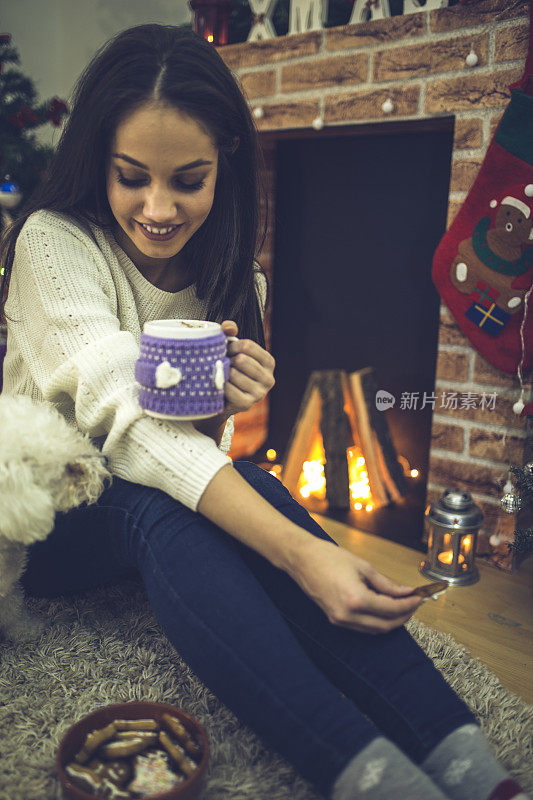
x=312 y=481
x=359 y=486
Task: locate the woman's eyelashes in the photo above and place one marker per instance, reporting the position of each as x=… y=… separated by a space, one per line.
x=135 y=184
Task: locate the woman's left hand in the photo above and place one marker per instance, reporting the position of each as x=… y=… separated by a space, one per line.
x=251 y=374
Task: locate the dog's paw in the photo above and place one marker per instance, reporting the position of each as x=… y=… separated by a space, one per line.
x=27 y=629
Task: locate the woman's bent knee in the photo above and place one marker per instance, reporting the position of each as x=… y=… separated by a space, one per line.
x=270 y=487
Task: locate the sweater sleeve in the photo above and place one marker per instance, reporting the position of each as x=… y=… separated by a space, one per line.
x=227 y=436
x=63 y=308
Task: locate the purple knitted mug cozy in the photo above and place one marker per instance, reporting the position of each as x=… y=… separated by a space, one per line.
x=182 y=377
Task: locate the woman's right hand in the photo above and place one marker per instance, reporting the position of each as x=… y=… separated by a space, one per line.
x=349 y=590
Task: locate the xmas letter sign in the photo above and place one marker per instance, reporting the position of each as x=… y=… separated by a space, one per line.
x=311 y=15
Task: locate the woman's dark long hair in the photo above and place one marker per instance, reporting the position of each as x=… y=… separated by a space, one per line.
x=181 y=69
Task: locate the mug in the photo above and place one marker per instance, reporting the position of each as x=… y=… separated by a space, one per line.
x=182 y=368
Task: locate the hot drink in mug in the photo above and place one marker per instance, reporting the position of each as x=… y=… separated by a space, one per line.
x=182 y=368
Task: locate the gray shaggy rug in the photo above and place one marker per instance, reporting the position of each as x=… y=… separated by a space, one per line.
x=107 y=647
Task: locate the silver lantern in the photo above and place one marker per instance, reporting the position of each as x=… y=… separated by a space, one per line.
x=453 y=523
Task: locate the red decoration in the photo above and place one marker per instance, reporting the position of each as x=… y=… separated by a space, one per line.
x=527 y=410
x=25 y=115
x=56 y=111
x=211 y=19
x=29 y=115
x=16 y=120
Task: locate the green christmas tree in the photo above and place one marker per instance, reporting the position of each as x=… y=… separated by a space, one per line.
x=523 y=537
x=22 y=157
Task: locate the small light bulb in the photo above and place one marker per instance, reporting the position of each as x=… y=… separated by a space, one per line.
x=414 y=473
x=518 y=407
x=471 y=59
x=271 y=454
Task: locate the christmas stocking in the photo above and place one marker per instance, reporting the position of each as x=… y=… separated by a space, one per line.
x=483 y=267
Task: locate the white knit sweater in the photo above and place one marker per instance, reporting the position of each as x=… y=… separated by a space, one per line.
x=76 y=309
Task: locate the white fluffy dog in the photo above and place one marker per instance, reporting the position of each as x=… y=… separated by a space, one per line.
x=45 y=466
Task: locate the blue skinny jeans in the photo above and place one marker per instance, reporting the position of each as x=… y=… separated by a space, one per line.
x=315 y=692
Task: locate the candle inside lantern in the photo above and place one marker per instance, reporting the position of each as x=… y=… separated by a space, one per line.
x=447 y=557
x=466 y=544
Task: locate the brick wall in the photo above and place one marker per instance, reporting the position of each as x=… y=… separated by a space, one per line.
x=344 y=75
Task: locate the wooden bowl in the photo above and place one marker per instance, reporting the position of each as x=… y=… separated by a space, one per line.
x=74 y=738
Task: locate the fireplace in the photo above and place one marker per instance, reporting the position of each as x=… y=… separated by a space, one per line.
x=307 y=87
x=359 y=213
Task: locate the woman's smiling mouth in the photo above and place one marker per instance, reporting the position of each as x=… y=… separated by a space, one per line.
x=158 y=233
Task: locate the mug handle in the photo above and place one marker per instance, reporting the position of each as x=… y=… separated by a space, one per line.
x=236 y=338
x=226 y=362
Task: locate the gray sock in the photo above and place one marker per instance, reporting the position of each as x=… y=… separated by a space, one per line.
x=463 y=765
x=382 y=772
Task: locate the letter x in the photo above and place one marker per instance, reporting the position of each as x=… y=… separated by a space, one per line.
x=262 y=27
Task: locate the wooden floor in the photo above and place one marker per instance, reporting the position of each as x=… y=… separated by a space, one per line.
x=493 y=618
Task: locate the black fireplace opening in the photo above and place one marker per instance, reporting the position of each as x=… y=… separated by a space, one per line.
x=358 y=216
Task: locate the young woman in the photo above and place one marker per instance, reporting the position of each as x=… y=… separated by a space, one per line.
x=148 y=211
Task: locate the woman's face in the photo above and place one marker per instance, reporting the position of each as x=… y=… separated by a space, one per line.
x=161 y=175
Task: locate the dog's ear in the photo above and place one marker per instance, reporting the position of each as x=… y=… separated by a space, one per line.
x=83 y=481
x=27 y=511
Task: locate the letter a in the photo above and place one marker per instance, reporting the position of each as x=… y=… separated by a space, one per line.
x=363 y=11
x=412 y=6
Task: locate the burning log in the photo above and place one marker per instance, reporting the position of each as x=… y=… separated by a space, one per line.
x=339 y=409
x=373 y=433
x=304 y=433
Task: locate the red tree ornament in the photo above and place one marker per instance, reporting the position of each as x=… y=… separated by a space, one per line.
x=56 y=111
